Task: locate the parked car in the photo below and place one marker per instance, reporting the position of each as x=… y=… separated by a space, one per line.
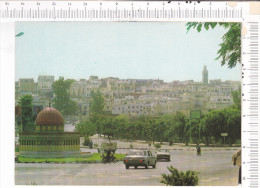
x=139 y=158
x=163 y=154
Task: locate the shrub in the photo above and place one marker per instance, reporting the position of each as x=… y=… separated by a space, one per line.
x=131 y=146
x=157 y=146
x=188 y=178
x=86 y=141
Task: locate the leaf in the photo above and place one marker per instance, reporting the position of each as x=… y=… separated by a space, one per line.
x=213 y=24
x=230 y=49
x=199 y=27
x=19 y=34
x=206 y=26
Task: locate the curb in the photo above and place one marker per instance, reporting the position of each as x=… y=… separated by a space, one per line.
x=183 y=149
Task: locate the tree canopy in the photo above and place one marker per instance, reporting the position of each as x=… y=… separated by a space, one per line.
x=236 y=96
x=62 y=100
x=230 y=48
x=26 y=108
x=97 y=102
x=86 y=128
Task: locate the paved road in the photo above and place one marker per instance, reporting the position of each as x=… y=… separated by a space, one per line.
x=215 y=168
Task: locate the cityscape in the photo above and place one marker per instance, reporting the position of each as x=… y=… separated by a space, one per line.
x=135 y=97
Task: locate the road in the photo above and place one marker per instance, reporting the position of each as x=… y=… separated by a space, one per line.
x=214 y=167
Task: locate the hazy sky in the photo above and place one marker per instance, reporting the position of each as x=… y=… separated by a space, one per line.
x=145 y=50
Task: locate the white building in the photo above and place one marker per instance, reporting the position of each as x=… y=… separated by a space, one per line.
x=45 y=83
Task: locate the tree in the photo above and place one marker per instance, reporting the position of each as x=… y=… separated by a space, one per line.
x=26 y=107
x=97 y=102
x=85 y=128
x=230 y=48
x=159 y=130
x=233 y=119
x=194 y=130
x=236 y=96
x=108 y=127
x=179 y=122
x=214 y=124
x=122 y=124
x=62 y=101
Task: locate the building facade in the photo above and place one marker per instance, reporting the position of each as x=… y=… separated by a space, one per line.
x=45 y=83
x=26 y=85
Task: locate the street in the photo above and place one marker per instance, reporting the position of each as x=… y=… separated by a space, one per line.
x=214 y=167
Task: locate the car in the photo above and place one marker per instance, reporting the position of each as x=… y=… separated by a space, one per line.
x=137 y=158
x=163 y=154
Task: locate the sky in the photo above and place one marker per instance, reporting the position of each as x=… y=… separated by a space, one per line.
x=140 y=50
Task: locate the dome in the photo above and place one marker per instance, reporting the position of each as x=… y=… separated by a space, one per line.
x=49 y=116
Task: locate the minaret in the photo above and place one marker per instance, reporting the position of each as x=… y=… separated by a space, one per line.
x=205 y=75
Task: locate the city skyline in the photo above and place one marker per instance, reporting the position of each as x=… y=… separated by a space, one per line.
x=79 y=50
x=56 y=78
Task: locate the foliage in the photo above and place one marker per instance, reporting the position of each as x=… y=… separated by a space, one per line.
x=168 y=128
x=97 y=102
x=85 y=128
x=214 y=123
x=17 y=148
x=157 y=146
x=236 y=96
x=159 y=129
x=179 y=121
x=233 y=126
x=230 y=48
x=222 y=121
x=176 y=178
x=108 y=127
x=86 y=141
x=26 y=107
x=193 y=130
x=97 y=119
x=62 y=101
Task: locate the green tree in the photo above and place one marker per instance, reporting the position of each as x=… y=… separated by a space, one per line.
x=233 y=127
x=145 y=125
x=230 y=48
x=169 y=133
x=85 y=128
x=108 y=127
x=122 y=123
x=97 y=102
x=159 y=131
x=97 y=120
x=214 y=124
x=236 y=96
x=26 y=107
x=179 y=122
x=62 y=101
x=194 y=130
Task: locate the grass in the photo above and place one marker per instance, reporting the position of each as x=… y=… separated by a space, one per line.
x=95 y=157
